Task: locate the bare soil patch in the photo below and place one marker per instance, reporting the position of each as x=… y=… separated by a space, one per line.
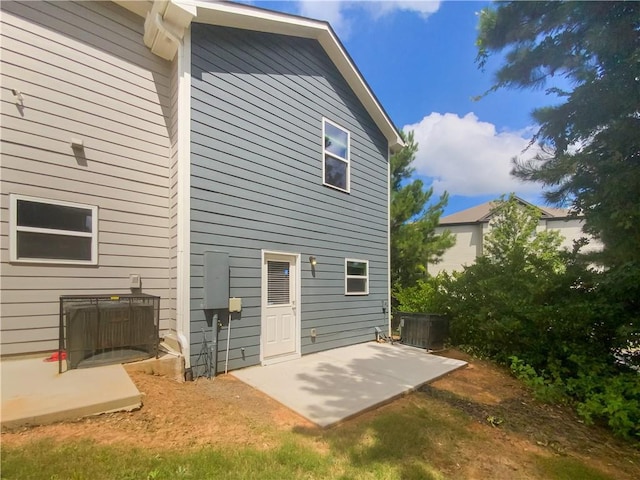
x=495 y=399
x=224 y=412
x=221 y=411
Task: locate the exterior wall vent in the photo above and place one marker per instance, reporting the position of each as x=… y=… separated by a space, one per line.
x=102 y=330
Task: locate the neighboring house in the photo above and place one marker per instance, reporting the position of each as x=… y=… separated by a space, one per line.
x=239 y=130
x=471 y=225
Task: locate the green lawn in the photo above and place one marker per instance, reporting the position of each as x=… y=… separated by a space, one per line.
x=415 y=438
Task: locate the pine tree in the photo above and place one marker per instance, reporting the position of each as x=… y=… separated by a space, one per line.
x=414 y=242
x=592 y=133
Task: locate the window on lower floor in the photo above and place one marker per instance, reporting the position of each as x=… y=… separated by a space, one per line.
x=356 y=277
x=336 y=154
x=52 y=231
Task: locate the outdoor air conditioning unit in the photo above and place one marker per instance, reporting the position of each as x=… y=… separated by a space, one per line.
x=101 y=330
x=423 y=330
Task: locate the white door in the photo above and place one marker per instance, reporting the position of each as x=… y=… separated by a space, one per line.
x=279 y=309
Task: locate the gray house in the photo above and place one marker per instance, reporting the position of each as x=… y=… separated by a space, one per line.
x=141 y=138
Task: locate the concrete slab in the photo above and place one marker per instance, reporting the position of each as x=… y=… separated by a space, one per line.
x=332 y=386
x=34 y=393
x=166 y=365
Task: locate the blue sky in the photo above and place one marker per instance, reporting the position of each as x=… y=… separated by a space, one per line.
x=418 y=58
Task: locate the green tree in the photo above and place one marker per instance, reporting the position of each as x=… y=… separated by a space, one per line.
x=563 y=327
x=514 y=242
x=492 y=302
x=591 y=134
x=414 y=242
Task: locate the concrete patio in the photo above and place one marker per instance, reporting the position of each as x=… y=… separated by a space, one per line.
x=326 y=387
x=332 y=386
x=34 y=393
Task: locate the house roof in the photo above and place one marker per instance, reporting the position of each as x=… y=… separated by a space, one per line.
x=257 y=19
x=482 y=213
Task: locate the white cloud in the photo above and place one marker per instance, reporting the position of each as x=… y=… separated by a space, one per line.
x=330 y=11
x=423 y=8
x=468 y=157
x=338 y=12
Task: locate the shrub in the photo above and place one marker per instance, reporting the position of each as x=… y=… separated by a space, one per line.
x=615 y=400
x=544 y=389
x=561 y=326
x=425 y=296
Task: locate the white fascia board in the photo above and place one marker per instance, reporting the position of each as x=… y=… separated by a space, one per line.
x=349 y=71
x=250 y=18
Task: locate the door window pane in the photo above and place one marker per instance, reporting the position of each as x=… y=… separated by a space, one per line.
x=278 y=283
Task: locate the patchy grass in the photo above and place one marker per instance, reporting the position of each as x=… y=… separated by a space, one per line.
x=414 y=441
x=475 y=423
x=76 y=460
x=562 y=468
x=415 y=438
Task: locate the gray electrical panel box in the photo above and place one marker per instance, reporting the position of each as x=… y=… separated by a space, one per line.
x=216 y=281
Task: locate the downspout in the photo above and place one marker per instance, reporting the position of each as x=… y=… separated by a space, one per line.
x=167 y=31
x=183 y=270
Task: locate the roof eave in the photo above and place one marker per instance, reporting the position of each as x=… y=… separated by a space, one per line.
x=256 y=19
x=251 y=18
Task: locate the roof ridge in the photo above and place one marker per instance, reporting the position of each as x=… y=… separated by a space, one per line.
x=482 y=213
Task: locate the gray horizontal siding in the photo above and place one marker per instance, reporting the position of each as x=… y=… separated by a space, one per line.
x=84 y=72
x=256 y=184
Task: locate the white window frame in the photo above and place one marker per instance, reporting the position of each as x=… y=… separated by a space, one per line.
x=347 y=276
x=345 y=160
x=14 y=228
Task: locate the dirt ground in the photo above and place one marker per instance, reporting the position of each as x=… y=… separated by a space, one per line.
x=227 y=412
x=222 y=411
x=494 y=398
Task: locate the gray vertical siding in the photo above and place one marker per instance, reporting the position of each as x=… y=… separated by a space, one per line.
x=256 y=183
x=84 y=72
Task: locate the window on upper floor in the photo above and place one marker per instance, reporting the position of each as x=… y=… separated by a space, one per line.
x=356 y=280
x=336 y=156
x=52 y=231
